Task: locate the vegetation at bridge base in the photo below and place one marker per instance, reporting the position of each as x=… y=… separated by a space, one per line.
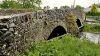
x=66 y=45
x=91 y=28
x=94 y=9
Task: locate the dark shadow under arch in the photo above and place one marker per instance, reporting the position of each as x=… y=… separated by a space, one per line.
x=78 y=23
x=58 y=31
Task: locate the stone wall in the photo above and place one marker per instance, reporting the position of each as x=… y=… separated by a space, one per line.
x=18 y=31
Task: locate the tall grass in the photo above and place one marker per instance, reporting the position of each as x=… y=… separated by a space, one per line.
x=66 y=45
x=91 y=28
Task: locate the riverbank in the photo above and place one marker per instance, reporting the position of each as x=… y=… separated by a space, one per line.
x=93 y=28
x=66 y=45
x=69 y=45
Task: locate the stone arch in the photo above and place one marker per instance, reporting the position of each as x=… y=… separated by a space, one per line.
x=58 y=31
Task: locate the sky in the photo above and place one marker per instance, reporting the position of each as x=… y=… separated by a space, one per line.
x=58 y=3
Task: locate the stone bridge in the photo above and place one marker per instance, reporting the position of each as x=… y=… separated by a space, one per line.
x=18 y=31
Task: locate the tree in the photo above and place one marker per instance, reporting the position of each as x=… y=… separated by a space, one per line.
x=64 y=7
x=9 y=4
x=30 y=3
x=78 y=7
x=94 y=9
x=98 y=5
x=4 y=4
x=20 y=4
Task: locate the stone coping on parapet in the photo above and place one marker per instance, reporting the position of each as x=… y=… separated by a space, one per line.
x=14 y=15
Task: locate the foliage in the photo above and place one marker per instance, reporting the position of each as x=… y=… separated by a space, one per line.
x=91 y=28
x=98 y=5
x=6 y=4
x=93 y=14
x=64 y=7
x=78 y=7
x=30 y=3
x=94 y=11
x=66 y=45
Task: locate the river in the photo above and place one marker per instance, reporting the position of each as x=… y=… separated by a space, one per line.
x=93 y=37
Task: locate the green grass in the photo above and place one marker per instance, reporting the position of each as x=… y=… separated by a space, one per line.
x=91 y=28
x=66 y=45
x=93 y=14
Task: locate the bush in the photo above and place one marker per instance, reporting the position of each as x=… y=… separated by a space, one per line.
x=94 y=9
x=20 y=4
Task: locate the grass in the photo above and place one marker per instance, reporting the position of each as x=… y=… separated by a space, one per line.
x=91 y=28
x=66 y=45
x=93 y=14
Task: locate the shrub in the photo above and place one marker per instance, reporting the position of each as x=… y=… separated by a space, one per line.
x=94 y=11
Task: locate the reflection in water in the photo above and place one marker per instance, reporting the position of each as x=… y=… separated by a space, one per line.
x=93 y=37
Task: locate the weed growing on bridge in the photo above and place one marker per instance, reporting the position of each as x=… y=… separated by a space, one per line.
x=71 y=23
x=66 y=45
